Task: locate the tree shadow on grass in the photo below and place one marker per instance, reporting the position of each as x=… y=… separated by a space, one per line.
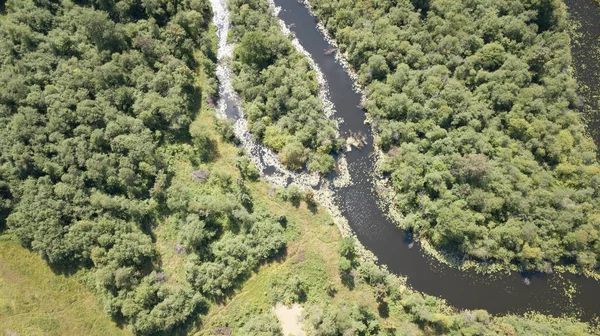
x=5 y=200
x=348 y=280
x=383 y=309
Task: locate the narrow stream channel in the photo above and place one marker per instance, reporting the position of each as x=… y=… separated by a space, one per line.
x=358 y=202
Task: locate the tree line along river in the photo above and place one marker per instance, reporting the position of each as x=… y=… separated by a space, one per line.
x=360 y=204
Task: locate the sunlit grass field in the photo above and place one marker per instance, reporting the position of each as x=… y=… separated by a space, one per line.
x=36 y=301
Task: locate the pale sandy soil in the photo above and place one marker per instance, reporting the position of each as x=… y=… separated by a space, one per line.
x=290 y=319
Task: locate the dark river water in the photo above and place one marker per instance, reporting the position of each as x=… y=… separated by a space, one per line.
x=586 y=59
x=498 y=293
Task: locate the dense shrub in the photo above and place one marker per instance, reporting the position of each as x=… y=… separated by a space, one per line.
x=344 y=318
x=262 y=325
x=96 y=99
x=279 y=90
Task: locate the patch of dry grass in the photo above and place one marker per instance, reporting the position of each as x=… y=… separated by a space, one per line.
x=36 y=301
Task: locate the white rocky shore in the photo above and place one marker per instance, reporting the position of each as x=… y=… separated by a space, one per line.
x=263 y=157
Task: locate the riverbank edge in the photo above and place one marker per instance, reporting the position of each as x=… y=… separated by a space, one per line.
x=326 y=197
x=305 y=182
x=387 y=195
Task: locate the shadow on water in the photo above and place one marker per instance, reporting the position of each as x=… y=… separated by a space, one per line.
x=501 y=293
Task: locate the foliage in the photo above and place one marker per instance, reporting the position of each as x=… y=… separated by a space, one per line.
x=288 y=289
x=247 y=168
x=279 y=90
x=225 y=127
x=473 y=103
x=262 y=325
x=290 y=193
x=97 y=101
x=341 y=319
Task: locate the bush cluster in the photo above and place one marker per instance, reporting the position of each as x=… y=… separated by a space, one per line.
x=279 y=90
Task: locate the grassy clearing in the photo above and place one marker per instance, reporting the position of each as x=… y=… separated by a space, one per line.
x=312 y=251
x=312 y=255
x=36 y=301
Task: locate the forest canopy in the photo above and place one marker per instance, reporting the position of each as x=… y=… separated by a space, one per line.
x=97 y=100
x=474 y=105
x=99 y=104
x=279 y=90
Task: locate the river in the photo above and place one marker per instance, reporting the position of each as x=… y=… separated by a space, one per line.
x=585 y=48
x=358 y=202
